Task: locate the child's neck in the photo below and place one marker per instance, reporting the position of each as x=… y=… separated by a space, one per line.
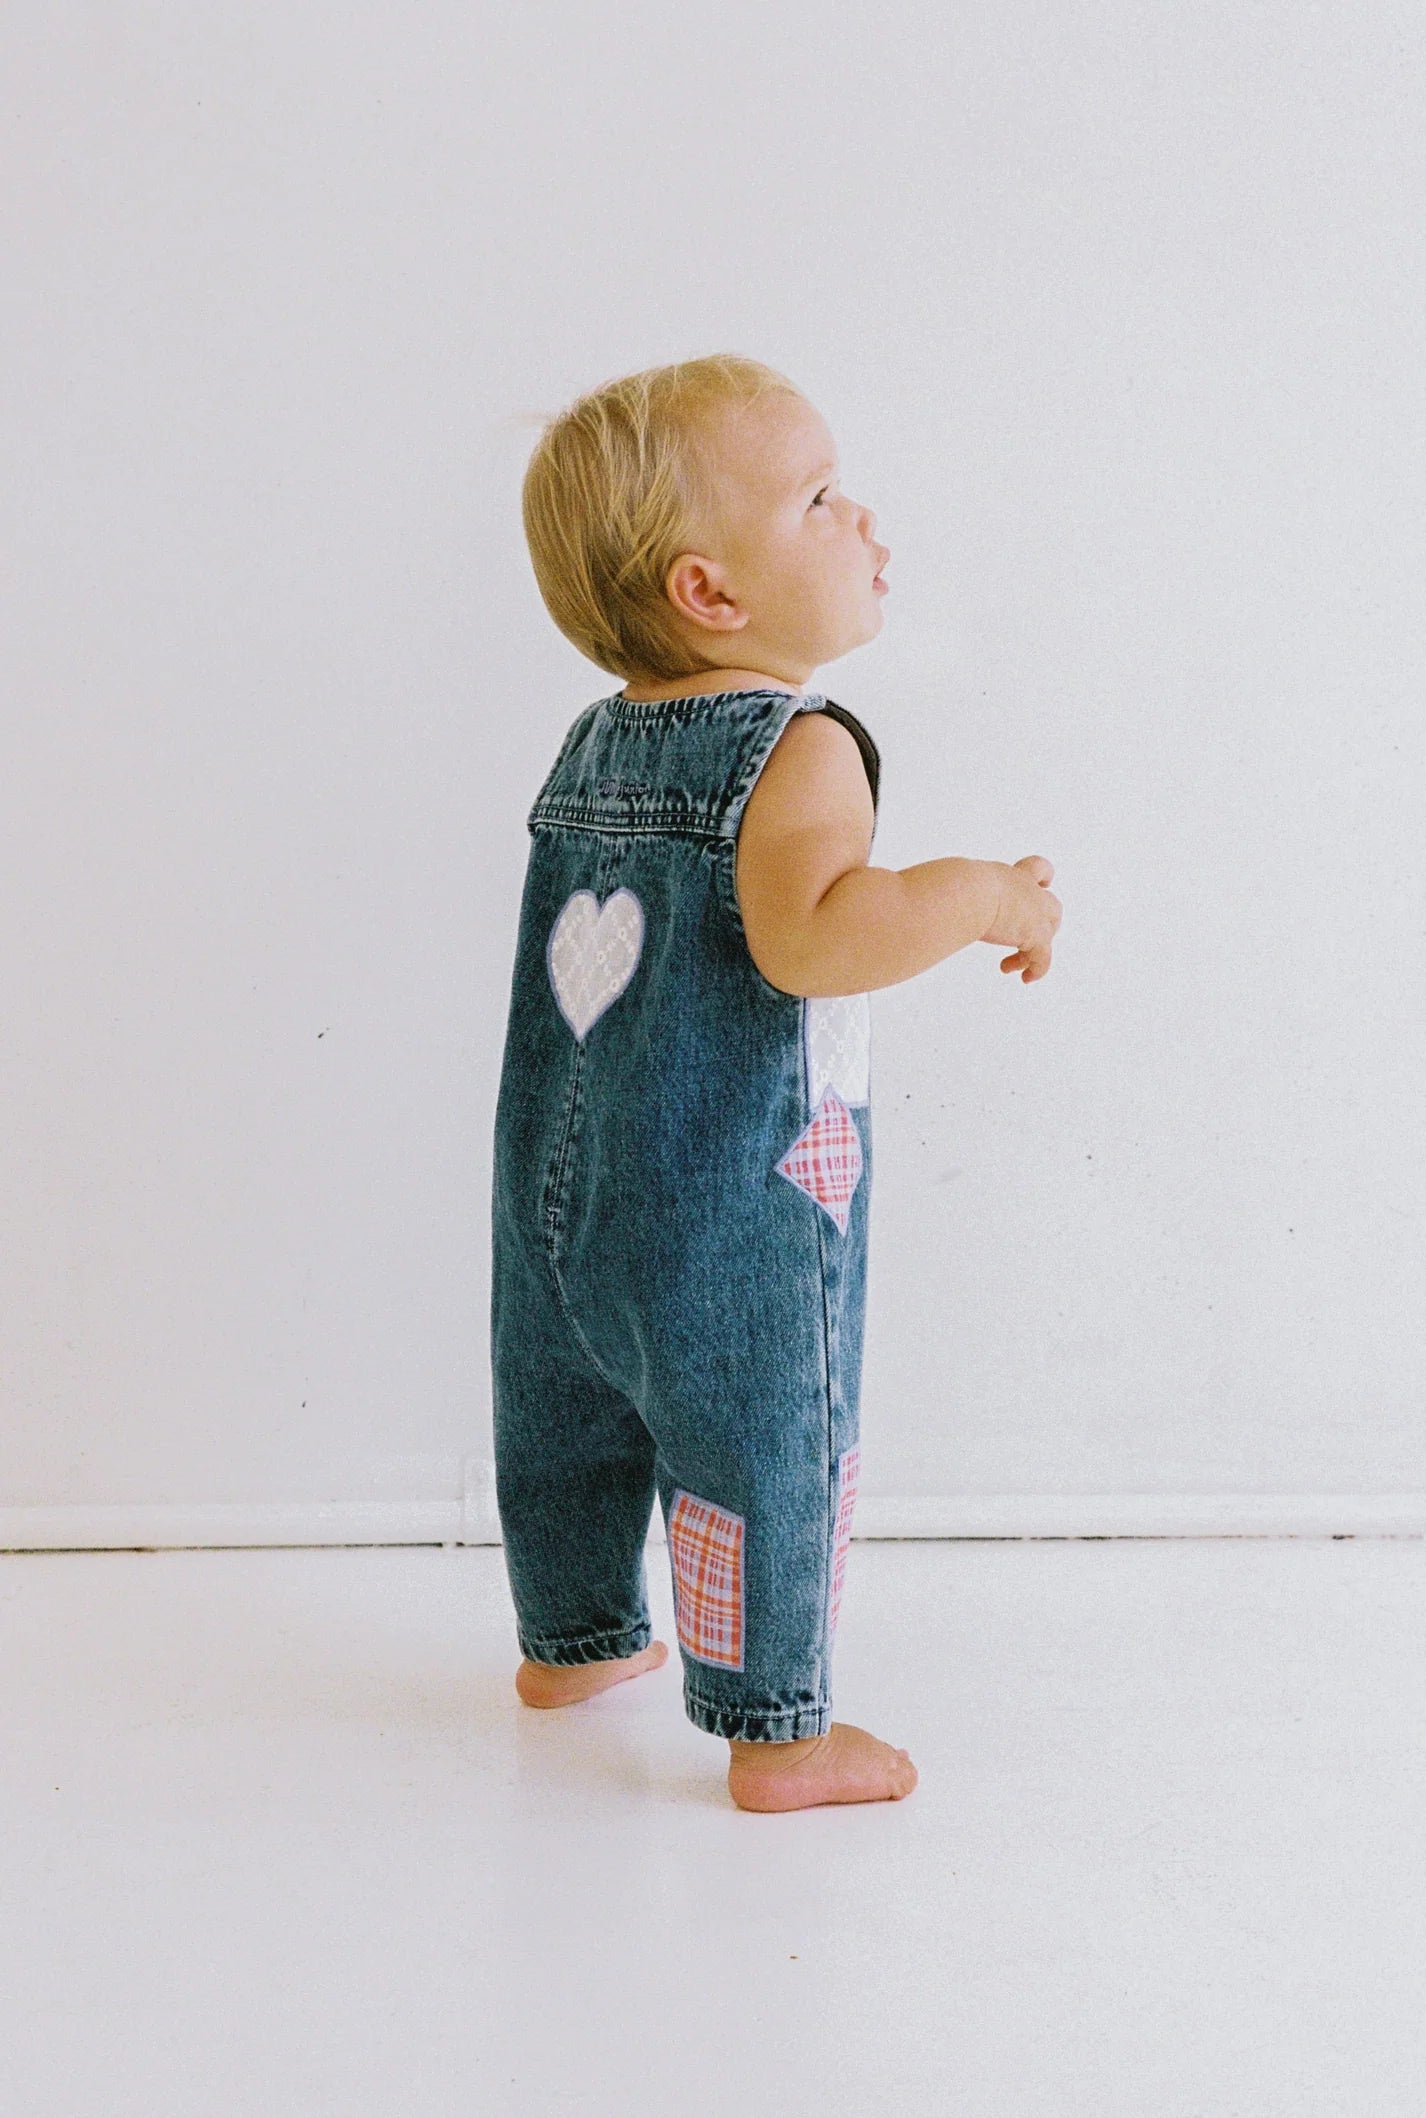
x=708 y=680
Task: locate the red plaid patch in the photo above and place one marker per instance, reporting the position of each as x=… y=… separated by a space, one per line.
x=706 y=1546
x=825 y=1160
x=849 y=1468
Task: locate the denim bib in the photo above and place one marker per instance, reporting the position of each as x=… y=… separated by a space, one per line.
x=681 y=1180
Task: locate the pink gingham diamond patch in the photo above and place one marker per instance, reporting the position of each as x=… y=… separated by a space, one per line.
x=705 y=1544
x=825 y=1160
x=848 y=1468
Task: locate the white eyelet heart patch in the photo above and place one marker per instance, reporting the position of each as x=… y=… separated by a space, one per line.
x=592 y=954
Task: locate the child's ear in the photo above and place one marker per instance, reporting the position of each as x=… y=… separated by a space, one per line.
x=694 y=586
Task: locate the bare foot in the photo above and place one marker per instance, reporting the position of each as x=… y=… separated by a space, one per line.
x=845 y=1765
x=542 y=1684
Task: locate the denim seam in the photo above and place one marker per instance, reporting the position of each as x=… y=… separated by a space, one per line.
x=650 y=824
x=562 y=1643
x=825 y=1651
x=756 y=1717
x=601 y=893
x=579 y=1336
x=680 y=707
x=564 y=1159
x=552 y=1201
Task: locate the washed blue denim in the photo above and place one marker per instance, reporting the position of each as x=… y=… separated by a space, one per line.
x=682 y=1171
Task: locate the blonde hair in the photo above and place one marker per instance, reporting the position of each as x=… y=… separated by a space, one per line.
x=618 y=484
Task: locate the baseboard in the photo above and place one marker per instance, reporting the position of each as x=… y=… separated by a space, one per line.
x=472 y=1520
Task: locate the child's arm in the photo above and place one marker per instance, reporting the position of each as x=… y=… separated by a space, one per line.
x=818 y=920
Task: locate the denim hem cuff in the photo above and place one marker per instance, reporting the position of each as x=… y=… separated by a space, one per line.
x=575 y=1648
x=746 y=1725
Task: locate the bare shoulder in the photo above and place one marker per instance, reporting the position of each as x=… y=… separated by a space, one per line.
x=809 y=818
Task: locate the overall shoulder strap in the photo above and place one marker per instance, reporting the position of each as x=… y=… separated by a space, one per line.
x=871 y=756
x=573 y=737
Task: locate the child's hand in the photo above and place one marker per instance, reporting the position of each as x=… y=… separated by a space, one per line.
x=1028 y=915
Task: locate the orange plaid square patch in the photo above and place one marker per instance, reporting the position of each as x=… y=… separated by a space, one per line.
x=705 y=1545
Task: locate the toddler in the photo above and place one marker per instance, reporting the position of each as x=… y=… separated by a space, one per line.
x=683 y=1147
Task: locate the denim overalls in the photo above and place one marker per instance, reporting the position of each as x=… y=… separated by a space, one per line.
x=682 y=1170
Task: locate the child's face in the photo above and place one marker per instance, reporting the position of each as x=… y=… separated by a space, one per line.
x=789 y=585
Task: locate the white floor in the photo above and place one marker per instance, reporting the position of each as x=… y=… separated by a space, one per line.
x=280 y=1841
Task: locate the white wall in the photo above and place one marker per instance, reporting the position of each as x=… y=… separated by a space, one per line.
x=1116 y=314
